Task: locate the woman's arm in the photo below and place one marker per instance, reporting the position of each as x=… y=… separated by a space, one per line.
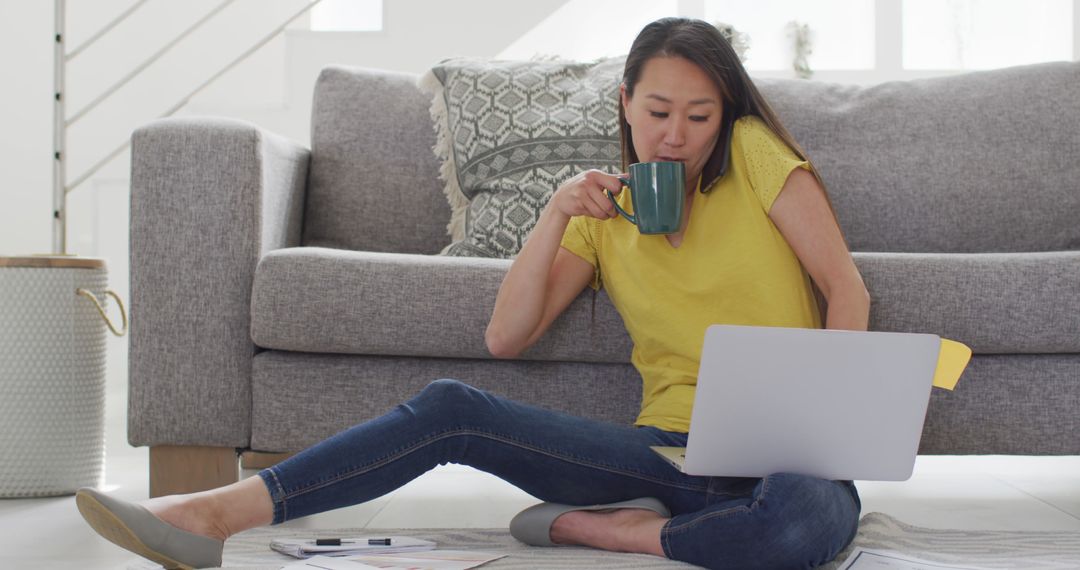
x=848 y=310
x=539 y=272
x=545 y=278
x=802 y=215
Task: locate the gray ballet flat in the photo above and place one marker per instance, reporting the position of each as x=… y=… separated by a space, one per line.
x=131 y=526
x=533 y=525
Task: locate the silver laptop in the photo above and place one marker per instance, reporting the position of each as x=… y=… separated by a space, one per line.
x=827 y=403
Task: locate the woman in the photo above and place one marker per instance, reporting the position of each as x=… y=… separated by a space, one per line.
x=758 y=233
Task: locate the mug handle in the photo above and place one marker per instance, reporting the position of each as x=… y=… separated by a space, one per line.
x=631 y=217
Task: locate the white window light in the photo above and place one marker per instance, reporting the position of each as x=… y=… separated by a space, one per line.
x=842 y=31
x=347 y=16
x=985 y=34
x=928 y=35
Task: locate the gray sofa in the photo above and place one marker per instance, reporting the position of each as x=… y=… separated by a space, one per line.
x=281 y=294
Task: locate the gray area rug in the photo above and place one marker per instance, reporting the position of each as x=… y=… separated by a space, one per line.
x=991 y=549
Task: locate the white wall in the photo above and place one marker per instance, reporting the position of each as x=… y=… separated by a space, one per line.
x=25 y=119
x=272 y=88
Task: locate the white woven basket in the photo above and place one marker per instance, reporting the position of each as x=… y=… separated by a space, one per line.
x=52 y=374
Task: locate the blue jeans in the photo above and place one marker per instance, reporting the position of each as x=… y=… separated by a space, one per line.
x=780 y=521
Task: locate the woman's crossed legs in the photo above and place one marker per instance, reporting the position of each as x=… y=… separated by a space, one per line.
x=719 y=522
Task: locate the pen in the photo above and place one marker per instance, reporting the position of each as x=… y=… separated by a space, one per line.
x=339 y=542
x=332 y=542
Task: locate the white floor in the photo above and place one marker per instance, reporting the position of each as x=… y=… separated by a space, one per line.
x=985 y=492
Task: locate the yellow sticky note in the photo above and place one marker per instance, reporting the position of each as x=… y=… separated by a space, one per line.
x=953 y=358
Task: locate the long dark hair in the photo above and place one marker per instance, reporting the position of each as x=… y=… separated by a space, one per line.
x=702 y=44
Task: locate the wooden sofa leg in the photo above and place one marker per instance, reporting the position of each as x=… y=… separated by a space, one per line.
x=261 y=459
x=186 y=468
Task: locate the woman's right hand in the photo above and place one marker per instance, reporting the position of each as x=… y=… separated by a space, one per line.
x=583 y=195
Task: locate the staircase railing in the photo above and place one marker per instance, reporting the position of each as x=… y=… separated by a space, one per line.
x=61 y=122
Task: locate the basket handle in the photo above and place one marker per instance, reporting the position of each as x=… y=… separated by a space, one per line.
x=120 y=303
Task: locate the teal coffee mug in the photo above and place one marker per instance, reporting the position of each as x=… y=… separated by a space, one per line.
x=657 y=191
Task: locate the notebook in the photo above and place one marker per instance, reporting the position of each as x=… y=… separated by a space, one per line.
x=833 y=404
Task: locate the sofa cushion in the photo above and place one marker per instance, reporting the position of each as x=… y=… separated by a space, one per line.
x=509 y=133
x=349 y=302
x=996 y=303
x=373 y=181
x=977 y=162
x=322 y=300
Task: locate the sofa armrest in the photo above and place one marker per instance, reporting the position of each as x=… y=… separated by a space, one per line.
x=209 y=197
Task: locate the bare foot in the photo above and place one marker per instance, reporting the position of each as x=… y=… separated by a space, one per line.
x=196 y=513
x=617 y=530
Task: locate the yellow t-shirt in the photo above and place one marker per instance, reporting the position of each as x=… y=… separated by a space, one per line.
x=732 y=267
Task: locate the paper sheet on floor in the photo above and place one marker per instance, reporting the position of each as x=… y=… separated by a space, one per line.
x=429 y=560
x=867 y=559
x=321 y=562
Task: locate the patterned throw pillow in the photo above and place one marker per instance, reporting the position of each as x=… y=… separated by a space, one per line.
x=509 y=133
